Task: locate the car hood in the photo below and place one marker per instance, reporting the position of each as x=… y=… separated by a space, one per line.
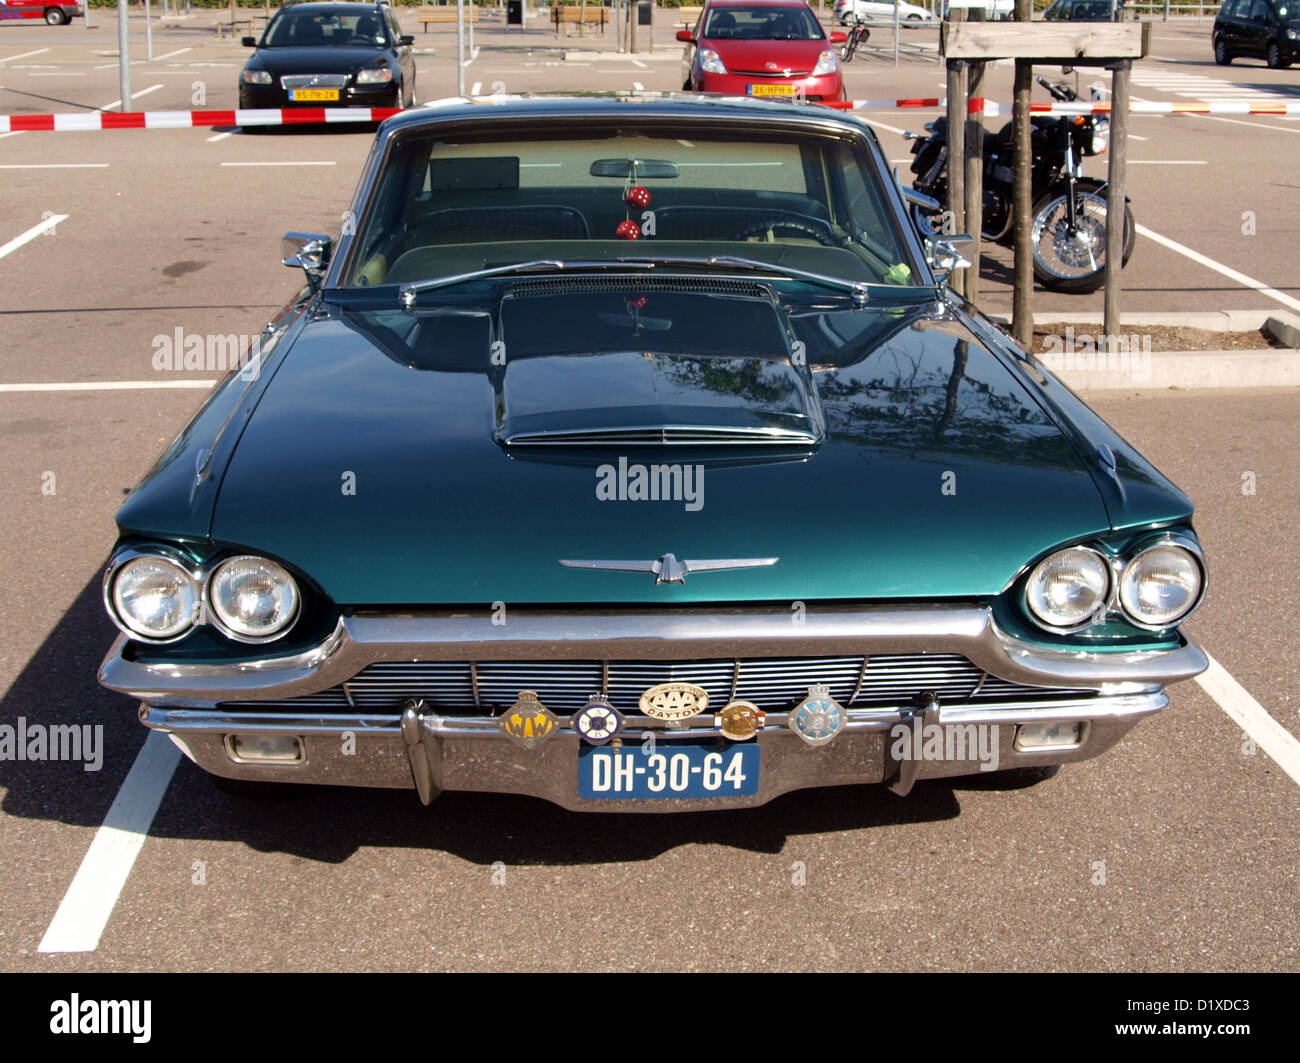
x=755 y=55
x=376 y=462
x=328 y=59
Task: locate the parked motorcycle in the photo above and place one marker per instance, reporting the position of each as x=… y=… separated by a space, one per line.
x=1070 y=210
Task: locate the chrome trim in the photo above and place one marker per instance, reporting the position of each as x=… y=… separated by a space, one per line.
x=669 y=570
x=645 y=633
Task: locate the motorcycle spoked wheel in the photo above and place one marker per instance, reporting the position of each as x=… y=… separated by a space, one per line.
x=1066 y=263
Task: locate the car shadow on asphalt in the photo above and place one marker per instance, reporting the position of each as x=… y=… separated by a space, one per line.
x=58 y=685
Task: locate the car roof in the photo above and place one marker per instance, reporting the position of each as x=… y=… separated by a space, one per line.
x=758 y=3
x=345 y=4
x=620 y=104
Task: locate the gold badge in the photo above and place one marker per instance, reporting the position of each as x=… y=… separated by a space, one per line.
x=528 y=721
x=674 y=701
x=739 y=720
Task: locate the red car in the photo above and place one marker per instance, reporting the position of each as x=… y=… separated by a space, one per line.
x=774 y=48
x=55 y=12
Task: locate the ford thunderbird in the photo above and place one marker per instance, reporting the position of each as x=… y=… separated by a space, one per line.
x=632 y=453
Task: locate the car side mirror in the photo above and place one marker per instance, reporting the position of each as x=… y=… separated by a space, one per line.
x=838 y=36
x=309 y=252
x=942 y=253
x=686 y=36
x=248 y=42
x=406 y=39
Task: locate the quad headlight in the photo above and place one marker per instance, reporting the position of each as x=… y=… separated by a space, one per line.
x=1161 y=585
x=252 y=599
x=152 y=598
x=1068 y=589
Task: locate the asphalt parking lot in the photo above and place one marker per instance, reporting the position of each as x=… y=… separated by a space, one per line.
x=1175 y=851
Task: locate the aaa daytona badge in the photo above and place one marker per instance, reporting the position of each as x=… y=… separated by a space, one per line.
x=528 y=721
x=818 y=718
x=598 y=721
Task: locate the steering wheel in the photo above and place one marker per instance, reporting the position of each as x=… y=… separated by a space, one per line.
x=803 y=228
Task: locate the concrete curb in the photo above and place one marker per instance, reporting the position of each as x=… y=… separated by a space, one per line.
x=1186 y=370
x=1211 y=320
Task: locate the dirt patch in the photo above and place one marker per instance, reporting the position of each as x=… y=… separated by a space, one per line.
x=1049 y=338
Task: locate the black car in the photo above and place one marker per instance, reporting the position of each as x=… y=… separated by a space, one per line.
x=330 y=55
x=1268 y=31
x=1082 y=11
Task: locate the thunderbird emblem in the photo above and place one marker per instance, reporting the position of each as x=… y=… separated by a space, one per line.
x=528 y=721
x=818 y=718
x=674 y=701
x=669 y=570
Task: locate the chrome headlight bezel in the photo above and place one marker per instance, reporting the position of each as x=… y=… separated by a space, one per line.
x=173 y=559
x=256 y=77
x=1145 y=546
x=216 y=614
x=377 y=75
x=1103 y=599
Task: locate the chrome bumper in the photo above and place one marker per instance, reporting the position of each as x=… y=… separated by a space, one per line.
x=650 y=634
x=432 y=753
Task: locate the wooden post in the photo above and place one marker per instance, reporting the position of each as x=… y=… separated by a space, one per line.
x=1119 y=79
x=974 y=177
x=956 y=216
x=1022 y=314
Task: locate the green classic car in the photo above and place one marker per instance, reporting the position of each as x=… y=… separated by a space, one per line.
x=631 y=453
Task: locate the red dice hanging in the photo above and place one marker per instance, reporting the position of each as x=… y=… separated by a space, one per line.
x=628 y=230
x=638 y=197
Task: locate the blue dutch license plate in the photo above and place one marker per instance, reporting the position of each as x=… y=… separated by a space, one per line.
x=674 y=769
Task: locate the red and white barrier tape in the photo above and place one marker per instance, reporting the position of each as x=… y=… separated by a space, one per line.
x=18 y=123
x=93 y=120
x=978 y=105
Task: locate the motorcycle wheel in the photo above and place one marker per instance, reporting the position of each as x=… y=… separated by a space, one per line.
x=1077 y=263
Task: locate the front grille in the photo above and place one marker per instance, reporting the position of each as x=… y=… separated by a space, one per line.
x=313 y=81
x=547 y=286
x=774 y=684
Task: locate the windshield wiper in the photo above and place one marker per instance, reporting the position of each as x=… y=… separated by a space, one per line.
x=859 y=291
x=406 y=293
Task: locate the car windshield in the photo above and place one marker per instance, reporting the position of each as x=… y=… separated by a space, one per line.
x=302 y=29
x=763 y=22
x=446 y=205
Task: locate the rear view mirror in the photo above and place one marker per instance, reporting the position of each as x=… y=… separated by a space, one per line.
x=310 y=252
x=685 y=36
x=633 y=168
x=406 y=39
x=838 y=36
x=248 y=42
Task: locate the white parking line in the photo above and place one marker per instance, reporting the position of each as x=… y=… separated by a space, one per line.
x=178 y=51
x=134 y=96
x=24 y=55
x=1235 y=700
x=32 y=234
x=109 y=385
x=54 y=166
x=59 y=74
x=1251 y=125
x=1167 y=162
x=1219 y=267
x=219 y=136
x=90 y=900
x=294 y=163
